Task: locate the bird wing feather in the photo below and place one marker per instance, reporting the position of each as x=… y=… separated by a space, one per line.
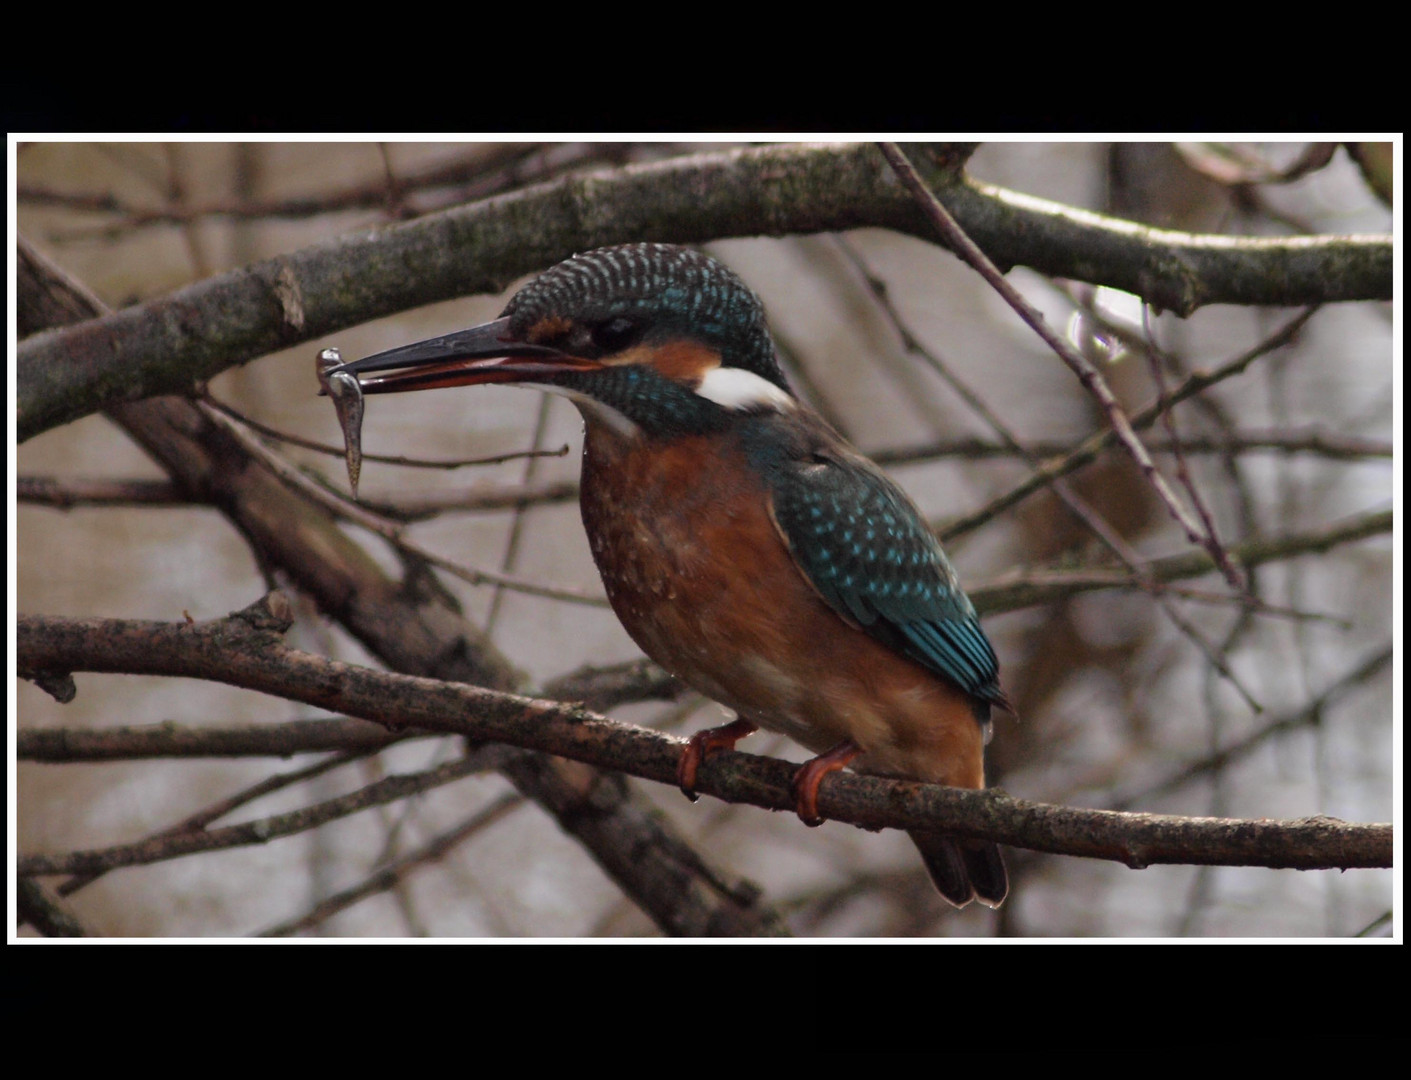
x=866 y=550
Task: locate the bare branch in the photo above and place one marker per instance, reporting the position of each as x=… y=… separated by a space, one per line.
x=355 y=512
x=490 y=170
x=396 y=872
x=212 y=812
x=262 y=831
x=169 y=740
x=1079 y=507
x=1042 y=587
x=386 y=459
x=598 y=689
x=1371 y=667
x=246 y=650
x=34 y=904
x=95 y=491
x=956 y=239
x=1339 y=447
x=79 y=491
x=1087 y=451
x=171 y=344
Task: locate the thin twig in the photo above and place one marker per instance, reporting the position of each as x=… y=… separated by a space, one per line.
x=396 y=872
x=1046 y=586
x=1168 y=420
x=1079 y=507
x=1259 y=606
x=508 y=166
x=1297 y=718
x=262 y=831
x=348 y=510
x=510 y=559
x=386 y=459
x=197 y=822
x=1087 y=451
x=1088 y=375
x=1341 y=447
x=66 y=493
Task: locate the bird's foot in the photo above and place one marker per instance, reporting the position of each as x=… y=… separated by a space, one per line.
x=704 y=743
x=811 y=774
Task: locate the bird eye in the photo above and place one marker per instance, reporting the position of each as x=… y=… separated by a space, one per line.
x=616 y=334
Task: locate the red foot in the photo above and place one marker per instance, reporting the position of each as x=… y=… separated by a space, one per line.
x=704 y=743
x=811 y=774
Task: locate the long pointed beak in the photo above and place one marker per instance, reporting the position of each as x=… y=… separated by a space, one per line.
x=482 y=354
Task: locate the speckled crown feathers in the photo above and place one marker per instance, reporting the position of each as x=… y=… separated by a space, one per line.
x=677 y=288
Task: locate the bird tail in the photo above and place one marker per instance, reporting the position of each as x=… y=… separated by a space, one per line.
x=963 y=870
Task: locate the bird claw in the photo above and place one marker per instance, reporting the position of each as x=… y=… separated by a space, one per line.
x=701 y=745
x=804 y=788
x=804 y=791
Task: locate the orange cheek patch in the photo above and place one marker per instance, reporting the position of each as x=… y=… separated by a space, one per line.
x=684 y=361
x=548 y=329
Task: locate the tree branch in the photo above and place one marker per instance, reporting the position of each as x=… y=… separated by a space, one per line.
x=1088 y=450
x=170 y=845
x=394 y=873
x=958 y=241
x=1311 y=712
x=246 y=650
x=60 y=745
x=35 y=905
x=1046 y=586
x=171 y=344
x=71 y=491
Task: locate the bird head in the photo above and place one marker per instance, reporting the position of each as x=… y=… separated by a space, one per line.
x=647 y=337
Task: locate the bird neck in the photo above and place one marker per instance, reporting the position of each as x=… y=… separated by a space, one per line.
x=635 y=400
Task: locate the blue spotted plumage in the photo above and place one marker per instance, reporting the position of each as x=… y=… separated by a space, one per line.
x=866 y=549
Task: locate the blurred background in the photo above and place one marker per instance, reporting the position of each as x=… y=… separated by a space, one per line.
x=1122 y=703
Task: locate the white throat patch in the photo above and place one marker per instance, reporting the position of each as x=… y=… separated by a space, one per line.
x=736 y=388
x=587 y=405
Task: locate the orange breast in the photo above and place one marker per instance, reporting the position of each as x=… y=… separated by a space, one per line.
x=700 y=578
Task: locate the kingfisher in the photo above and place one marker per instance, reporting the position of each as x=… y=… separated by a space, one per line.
x=745 y=546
